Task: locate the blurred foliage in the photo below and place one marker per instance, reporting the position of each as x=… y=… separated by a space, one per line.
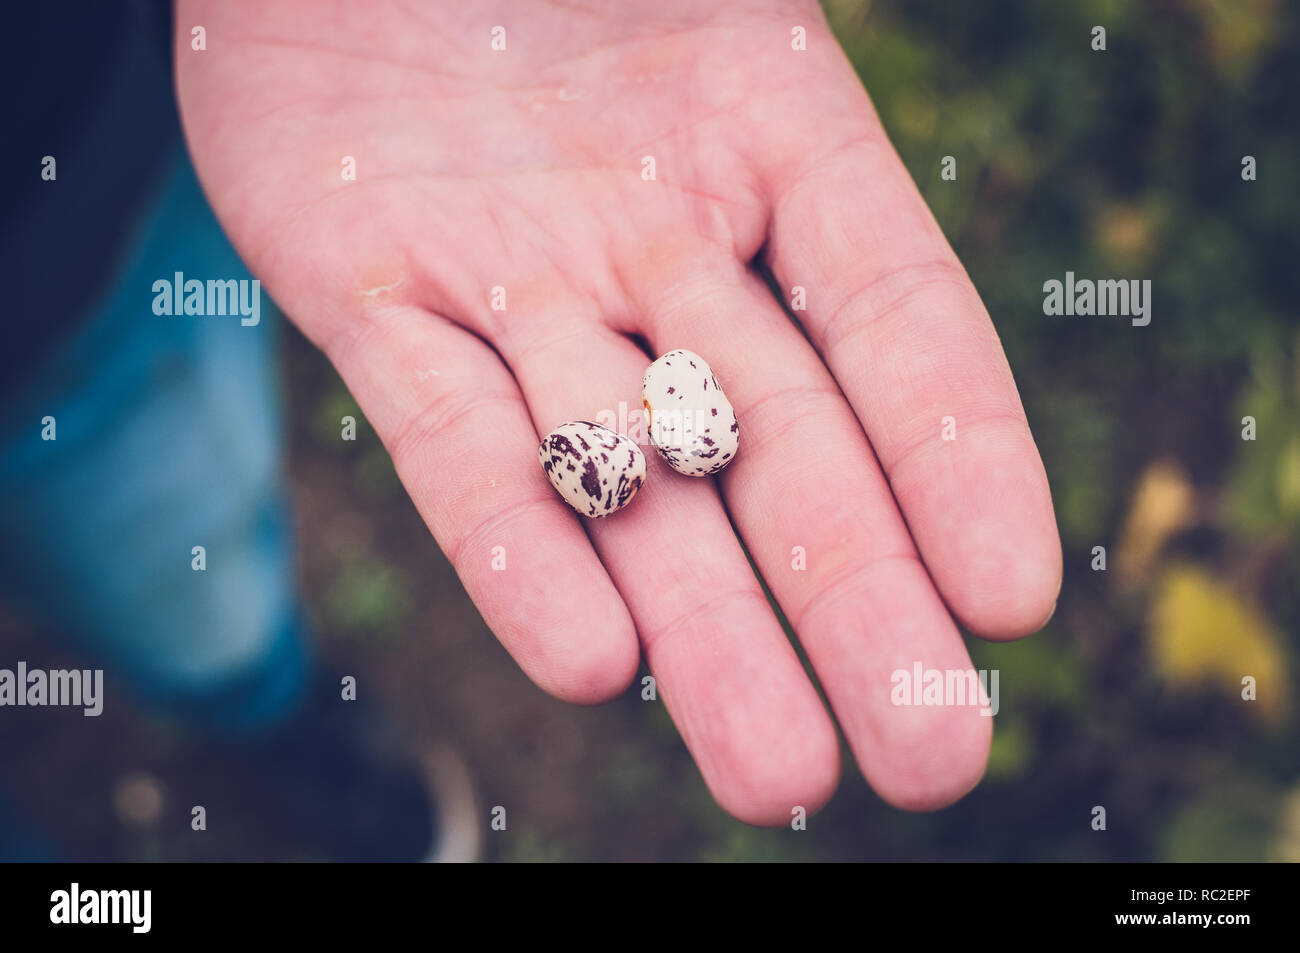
x=368 y=597
x=1232 y=823
x=1287 y=847
x=1264 y=490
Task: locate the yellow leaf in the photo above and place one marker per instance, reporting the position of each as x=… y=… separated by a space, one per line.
x=1203 y=631
x=1162 y=505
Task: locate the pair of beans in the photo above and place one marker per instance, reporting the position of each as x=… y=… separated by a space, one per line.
x=691 y=424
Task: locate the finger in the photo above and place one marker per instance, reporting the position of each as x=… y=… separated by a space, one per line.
x=898 y=322
x=818 y=519
x=723 y=667
x=465 y=449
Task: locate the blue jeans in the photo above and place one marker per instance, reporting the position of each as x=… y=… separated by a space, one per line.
x=167 y=438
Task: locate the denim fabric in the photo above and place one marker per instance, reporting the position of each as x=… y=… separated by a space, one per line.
x=168 y=437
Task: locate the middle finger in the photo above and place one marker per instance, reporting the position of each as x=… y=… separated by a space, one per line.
x=810 y=501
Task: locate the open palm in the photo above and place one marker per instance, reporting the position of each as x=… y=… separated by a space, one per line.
x=524 y=176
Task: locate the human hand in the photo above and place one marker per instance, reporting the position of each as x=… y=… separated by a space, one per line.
x=523 y=169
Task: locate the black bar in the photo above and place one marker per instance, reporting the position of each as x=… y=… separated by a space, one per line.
x=246 y=901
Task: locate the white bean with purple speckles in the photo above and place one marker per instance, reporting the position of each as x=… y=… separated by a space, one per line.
x=596 y=470
x=692 y=424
